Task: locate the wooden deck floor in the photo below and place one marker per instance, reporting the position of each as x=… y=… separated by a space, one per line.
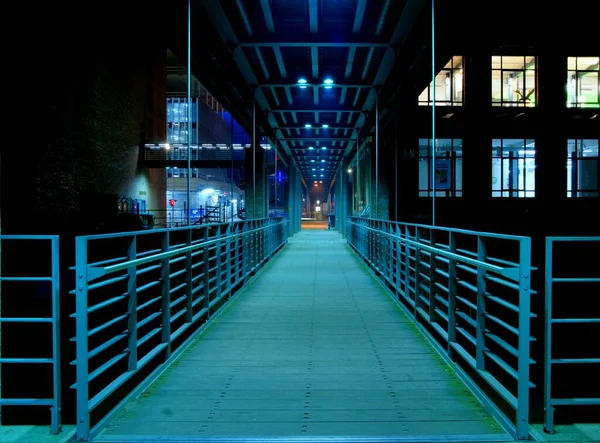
x=312 y=350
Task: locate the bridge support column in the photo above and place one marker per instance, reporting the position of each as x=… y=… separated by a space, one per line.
x=293 y=200
x=256 y=181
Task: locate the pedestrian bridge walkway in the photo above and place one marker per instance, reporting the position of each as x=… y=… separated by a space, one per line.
x=312 y=348
x=391 y=332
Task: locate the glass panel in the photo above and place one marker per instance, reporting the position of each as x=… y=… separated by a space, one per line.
x=513 y=81
x=582 y=82
x=582 y=168
x=448 y=86
x=513 y=168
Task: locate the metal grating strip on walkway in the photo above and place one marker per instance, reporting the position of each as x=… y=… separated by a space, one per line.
x=313 y=349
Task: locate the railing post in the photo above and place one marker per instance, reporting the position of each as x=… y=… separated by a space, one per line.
x=189 y=290
x=165 y=290
x=206 y=276
x=480 y=316
x=218 y=269
x=548 y=408
x=432 y=276
x=398 y=257
x=228 y=266
x=451 y=295
x=56 y=412
x=81 y=344
x=417 y=272
x=406 y=263
x=132 y=306
x=524 y=338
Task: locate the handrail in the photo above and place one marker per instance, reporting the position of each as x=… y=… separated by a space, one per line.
x=142 y=261
x=54 y=319
x=445 y=253
x=549 y=401
x=138 y=311
x=478 y=306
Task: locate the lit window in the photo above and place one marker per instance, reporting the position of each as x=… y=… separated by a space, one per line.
x=582 y=82
x=448 y=86
x=513 y=81
x=513 y=168
x=582 y=168
x=448 y=168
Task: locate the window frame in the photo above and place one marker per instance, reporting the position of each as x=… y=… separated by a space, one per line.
x=573 y=166
x=453 y=191
x=522 y=103
x=511 y=162
x=451 y=71
x=574 y=75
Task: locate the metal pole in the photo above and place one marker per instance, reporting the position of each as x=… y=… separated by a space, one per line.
x=189 y=112
x=276 y=179
x=433 y=147
x=395 y=169
x=376 y=155
x=357 y=178
x=231 y=147
x=254 y=156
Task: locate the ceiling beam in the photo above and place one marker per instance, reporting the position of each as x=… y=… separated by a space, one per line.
x=266 y=8
x=308 y=85
x=319 y=44
x=317 y=110
x=313 y=15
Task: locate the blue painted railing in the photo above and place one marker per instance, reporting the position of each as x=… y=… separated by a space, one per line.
x=138 y=293
x=472 y=289
x=53 y=321
x=565 y=336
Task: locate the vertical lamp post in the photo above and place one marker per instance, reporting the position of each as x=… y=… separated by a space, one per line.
x=189 y=112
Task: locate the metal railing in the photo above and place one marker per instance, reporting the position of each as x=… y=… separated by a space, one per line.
x=53 y=319
x=550 y=280
x=472 y=289
x=138 y=293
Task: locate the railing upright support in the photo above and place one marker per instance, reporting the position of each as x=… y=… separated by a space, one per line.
x=56 y=411
x=165 y=290
x=451 y=296
x=132 y=335
x=81 y=344
x=524 y=338
x=480 y=317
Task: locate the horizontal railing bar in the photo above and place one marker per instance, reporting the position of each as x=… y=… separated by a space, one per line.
x=489 y=378
x=575 y=360
x=145 y=253
x=177 y=288
x=501 y=364
x=26 y=401
x=147 y=269
x=120 y=380
x=148 y=336
x=466 y=318
x=576 y=280
x=25 y=279
x=198 y=300
x=574 y=401
x=452 y=230
x=177 y=315
x=148 y=319
x=178 y=300
x=27 y=360
x=108 y=324
x=502 y=282
x=465 y=284
x=467 y=302
x=466 y=335
x=183 y=250
x=148 y=303
x=107 y=344
x=576 y=320
x=502 y=323
x=25 y=320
